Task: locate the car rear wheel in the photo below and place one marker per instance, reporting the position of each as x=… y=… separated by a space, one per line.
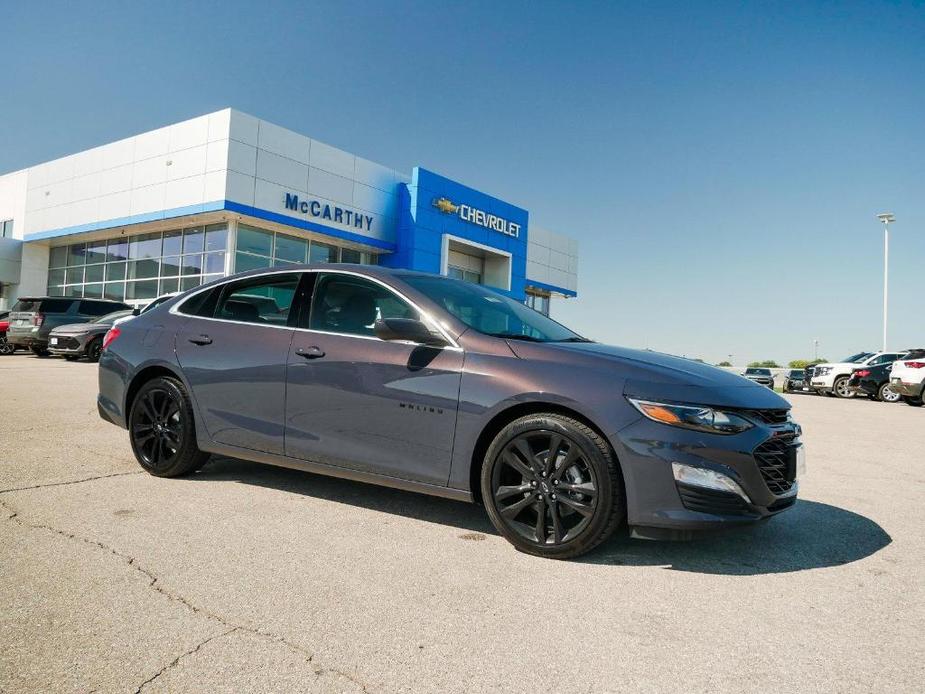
x=915 y=402
x=162 y=430
x=40 y=351
x=887 y=394
x=94 y=349
x=840 y=388
x=551 y=486
x=6 y=347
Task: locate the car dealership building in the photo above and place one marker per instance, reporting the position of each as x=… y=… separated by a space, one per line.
x=169 y=209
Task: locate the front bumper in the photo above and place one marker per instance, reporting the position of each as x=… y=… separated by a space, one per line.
x=762 y=461
x=69 y=345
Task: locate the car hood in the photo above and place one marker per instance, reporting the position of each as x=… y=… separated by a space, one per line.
x=80 y=329
x=657 y=376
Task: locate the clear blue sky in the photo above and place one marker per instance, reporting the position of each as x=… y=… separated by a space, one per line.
x=721 y=163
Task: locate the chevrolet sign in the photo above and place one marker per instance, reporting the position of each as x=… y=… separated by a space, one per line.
x=472 y=215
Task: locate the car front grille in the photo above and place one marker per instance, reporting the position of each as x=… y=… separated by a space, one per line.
x=776 y=460
x=771 y=416
x=67 y=343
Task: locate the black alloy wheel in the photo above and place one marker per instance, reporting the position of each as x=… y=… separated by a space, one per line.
x=551 y=486
x=6 y=347
x=94 y=349
x=161 y=429
x=887 y=394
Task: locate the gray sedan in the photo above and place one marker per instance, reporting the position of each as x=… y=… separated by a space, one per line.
x=83 y=339
x=450 y=388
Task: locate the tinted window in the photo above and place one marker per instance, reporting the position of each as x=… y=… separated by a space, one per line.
x=796 y=372
x=856 y=358
x=112 y=317
x=351 y=305
x=264 y=300
x=758 y=372
x=884 y=359
x=95 y=308
x=488 y=311
x=43 y=305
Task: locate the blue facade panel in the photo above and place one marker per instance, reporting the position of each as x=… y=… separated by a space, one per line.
x=433 y=207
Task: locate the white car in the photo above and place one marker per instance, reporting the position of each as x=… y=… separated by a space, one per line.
x=832 y=379
x=907 y=377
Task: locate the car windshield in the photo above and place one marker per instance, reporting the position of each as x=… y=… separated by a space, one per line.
x=489 y=312
x=111 y=317
x=857 y=358
x=796 y=372
x=758 y=372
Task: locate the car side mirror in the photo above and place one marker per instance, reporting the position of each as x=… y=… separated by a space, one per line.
x=136 y=311
x=408 y=329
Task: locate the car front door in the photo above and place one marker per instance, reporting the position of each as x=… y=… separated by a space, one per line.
x=367 y=404
x=234 y=354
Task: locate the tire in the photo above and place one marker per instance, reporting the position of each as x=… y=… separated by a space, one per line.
x=914 y=402
x=6 y=347
x=71 y=357
x=94 y=349
x=840 y=388
x=39 y=351
x=518 y=466
x=162 y=431
x=887 y=394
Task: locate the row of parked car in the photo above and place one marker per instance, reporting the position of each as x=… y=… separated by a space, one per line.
x=71 y=327
x=884 y=376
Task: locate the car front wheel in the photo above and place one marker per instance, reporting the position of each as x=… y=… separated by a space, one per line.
x=840 y=388
x=551 y=486
x=915 y=402
x=40 y=351
x=162 y=430
x=94 y=349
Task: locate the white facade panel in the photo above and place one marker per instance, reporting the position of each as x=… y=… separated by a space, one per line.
x=332 y=160
x=219 y=125
x=242 y=158
x=148 y=172
x=115 y=205
x=239 y=188
x=375 y=175
x=189 y=133
x=243 y=128
x=116 y=180
x=118 y=153
x=214 y=185
x=331 y=186
x=183 y=192
x=285 y=172
x=186 y=163
x=86 y=186
x=152 y=144
x=148 y=199
x=285 y=143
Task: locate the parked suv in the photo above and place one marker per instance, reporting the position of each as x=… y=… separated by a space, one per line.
x=908 y=377
x=762 y=376
x=794 y=380
x=832 y=379
x=33 y=318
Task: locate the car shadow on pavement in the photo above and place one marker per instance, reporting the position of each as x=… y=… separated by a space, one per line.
x=811 y=535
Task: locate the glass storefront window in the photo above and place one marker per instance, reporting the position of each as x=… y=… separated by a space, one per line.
x=170 y=266
x=192 y=265
x=94 y=291
x=117 y=249
x=142 y=289
x=245 y=261
x=115 y=271
x=75 y=275
x=94 y=273
x=254 y=241
x=214 y=263
x=290 y=248
x=95 y=252
x=75 y=254
x=114 y=291
x=169 y=286
x=348 y=255
x=193 y=240
x=322 y=253
x=57 y=257
x=216 y=237
x=173 y=242
x=143 y=269
x=144 y=246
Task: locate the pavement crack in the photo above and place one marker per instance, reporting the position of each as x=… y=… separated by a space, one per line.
x=69 y=482
x=155 y=585
x=173 y=663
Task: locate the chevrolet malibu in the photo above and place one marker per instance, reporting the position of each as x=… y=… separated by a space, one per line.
x=445 y=387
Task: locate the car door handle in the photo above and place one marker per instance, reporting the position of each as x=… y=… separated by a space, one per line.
x=201 y=340
x=310 y=352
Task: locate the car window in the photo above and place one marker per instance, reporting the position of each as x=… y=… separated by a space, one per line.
x=856 y=358
x=351 y=305
x=95 y=308
x=758 y=372
x=111 y=317
x=262 y=300
x=489 y=312
x=43 y=305
x=884 y=359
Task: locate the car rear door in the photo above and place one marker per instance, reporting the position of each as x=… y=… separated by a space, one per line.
x=234 y=356
x=359 y=402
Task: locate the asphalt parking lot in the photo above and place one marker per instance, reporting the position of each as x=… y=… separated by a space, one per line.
x=250 y=578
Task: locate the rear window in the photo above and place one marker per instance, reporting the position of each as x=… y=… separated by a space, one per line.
x=43 y=305
x=758 y=372
x=97 y=308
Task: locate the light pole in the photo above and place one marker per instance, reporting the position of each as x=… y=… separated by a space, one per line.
x=886 y=218
x=816 y=349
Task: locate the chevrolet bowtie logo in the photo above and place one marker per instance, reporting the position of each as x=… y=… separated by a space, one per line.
x=445 y=205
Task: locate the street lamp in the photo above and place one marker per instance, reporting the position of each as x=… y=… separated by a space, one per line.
x=886 y=218
x=816 y=349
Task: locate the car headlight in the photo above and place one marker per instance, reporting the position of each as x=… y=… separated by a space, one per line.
x=697 y=417
x=822 y=371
